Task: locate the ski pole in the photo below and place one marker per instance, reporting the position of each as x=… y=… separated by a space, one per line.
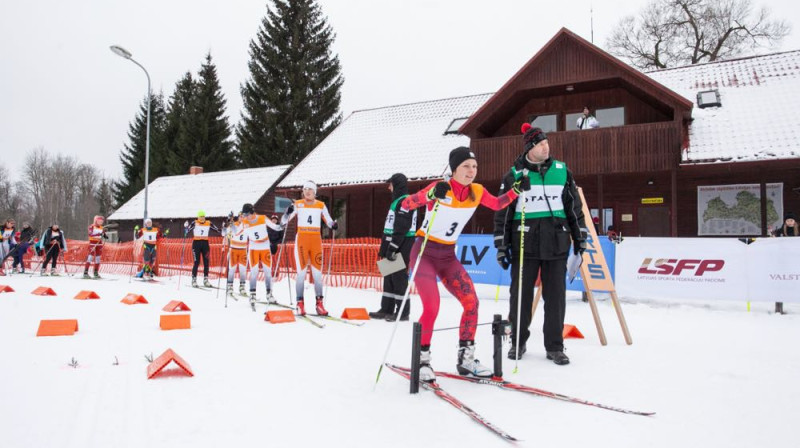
x=224 y=257
x=408 y=291
x=183 y=249
x=41 y=263
x=133 y=257
x=519 y=279
x=330 y=262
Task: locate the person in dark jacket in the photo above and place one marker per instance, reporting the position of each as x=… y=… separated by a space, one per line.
x=790 y=226
x=52 y=243
x=398 y=237
x=275 y=237
x=25 y=237
x=554 y=225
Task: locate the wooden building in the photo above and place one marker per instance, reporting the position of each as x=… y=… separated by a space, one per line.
x=665 y=137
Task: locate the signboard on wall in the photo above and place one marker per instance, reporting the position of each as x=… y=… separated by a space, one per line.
x=730 y=210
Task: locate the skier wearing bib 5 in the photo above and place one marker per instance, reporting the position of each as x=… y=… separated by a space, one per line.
x=308 y=243
x=450 y=205
x=255 y=230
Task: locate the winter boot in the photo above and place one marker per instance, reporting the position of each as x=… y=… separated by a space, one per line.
x=301 y=307
x=320 y=308
x=393 y=317
x=512 y=354
x=53 y=272
x=86 y=275
x=242 y=290
x=425 y=370
x=194 y=282
x=381 y=315
x=270 y=297
x=206 y=283
x=467 y=364
x=558 y=357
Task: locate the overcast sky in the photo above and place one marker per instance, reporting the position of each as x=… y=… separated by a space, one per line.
x=62 y=88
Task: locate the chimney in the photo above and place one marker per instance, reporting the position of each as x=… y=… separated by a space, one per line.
x=195 y=170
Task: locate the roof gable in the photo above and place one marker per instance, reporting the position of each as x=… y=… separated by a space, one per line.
x=566 y=59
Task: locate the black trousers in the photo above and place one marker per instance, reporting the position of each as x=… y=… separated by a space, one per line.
x=395 y=285
x=52 y=254
x=554 y=290
x=200 y=248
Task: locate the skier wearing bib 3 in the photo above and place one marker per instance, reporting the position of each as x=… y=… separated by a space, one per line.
x=450 y=205
x=308 y=243
x=150 y=236
x=200 y=229
x=255 y=230
x=97 y=235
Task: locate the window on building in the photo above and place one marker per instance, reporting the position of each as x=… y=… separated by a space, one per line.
x=572 y=121
x=455 y=125
x=281 y=204
x=548 y=123
x=612 y=116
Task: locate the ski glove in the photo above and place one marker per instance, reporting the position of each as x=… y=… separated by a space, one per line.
x=391 y=255
x=523 y=184
x=503 y=257
x=439 y=191
x=289 y=209
x=136 y=229
x=335 y=226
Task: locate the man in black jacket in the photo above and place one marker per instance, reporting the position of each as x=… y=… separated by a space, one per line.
x=398 y=237
x=553 y=216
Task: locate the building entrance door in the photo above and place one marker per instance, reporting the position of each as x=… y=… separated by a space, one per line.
x=653 y=221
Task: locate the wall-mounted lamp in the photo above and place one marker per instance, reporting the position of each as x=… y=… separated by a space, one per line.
x=651 y=181
x=570 y=88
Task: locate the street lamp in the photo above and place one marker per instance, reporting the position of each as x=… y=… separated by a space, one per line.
x=119 y=51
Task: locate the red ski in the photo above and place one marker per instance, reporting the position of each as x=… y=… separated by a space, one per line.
x=532 y=390
x=436 y=389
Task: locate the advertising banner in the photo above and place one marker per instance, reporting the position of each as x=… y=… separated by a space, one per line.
x=682 y=268
x=773 y=270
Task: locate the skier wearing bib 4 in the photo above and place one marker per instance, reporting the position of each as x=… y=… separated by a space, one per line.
x=308 y=243
x=554 y=225
x=200 y=229
x=255 y=230
x=454 y=203
x=150 y=237
x=236 y=240
x=97 y=237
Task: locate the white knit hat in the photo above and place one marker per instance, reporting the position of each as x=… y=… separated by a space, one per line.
x=309 y=185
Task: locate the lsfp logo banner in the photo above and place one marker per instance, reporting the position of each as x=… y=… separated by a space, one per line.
x=682 y=268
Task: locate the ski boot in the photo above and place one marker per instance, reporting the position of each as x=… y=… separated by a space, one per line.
x=253 y=300
x=14 y=270
x=467 y=364
x=320 y=308
x=86 y=275
x=229 y=290
x=425 y=370
x=242 y=290
x=270 y=297
x=194 y=282
x=558 y=357
x=53 y=272
x=301 y=306
x=44 y=272
x=97 y=275
x=206 y=283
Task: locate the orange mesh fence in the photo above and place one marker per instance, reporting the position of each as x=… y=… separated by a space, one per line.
x=354 y=260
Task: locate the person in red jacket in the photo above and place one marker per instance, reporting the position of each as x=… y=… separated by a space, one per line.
x=450 y=205
x=97 y=237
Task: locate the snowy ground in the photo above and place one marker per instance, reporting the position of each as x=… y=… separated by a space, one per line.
x=716 y=375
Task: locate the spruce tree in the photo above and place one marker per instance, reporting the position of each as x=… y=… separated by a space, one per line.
x=133 y=156
x=213 y=133
x=180 y=123
x=291 y=101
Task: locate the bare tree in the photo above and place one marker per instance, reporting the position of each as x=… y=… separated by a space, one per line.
x=669 y=33
x=12 y=203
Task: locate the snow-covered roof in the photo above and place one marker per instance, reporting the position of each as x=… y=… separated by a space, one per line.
x=371 y=145
x=757 y=118
x=215 y=193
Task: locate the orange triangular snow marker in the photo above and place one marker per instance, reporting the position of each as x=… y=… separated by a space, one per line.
x=6 y=288
x=132 y=299
x=43 y=291
x=159 y=363
x=175 y=321
x=355 y=314
x=65 y=327
x=279 y=316
x=571 y=331
x=83 y=295
x=175 y=305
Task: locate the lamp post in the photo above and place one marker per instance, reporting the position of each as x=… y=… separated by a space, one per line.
x=119 y=51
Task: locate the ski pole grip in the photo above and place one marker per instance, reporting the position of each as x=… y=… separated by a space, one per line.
x=416 y=339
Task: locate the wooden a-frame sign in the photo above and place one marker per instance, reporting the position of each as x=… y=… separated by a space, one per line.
x=594 y=255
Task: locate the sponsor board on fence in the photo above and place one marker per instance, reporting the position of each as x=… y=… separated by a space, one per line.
x=709 y=269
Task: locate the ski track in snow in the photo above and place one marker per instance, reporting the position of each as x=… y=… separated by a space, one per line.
x=715 y=375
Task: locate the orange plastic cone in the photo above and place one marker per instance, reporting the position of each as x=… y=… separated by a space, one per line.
x=43 y=291
x=279 y=316
x=6 y=288
x=132 y=299
x=355 y=314
x=175 y=305
x=65 y=327
x=168 y=356
x=571 y=331
x=175 y=321
x=83 y=295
